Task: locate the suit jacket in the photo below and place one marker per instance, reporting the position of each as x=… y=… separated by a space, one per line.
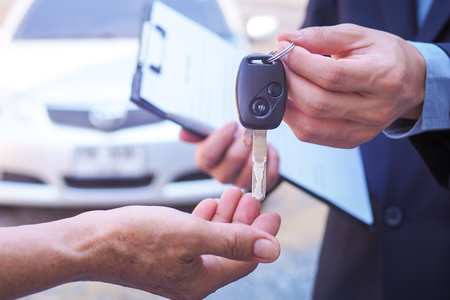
x=406 y=254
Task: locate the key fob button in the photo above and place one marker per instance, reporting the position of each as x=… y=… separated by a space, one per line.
x=274 y=90
x=260 y=107
x=261 y=92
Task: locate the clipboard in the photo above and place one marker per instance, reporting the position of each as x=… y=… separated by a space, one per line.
x=194 y=71
x=186 y=74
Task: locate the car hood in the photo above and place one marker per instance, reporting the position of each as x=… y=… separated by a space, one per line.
x=69 y=72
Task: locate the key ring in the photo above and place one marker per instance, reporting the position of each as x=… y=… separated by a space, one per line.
x=279 y=55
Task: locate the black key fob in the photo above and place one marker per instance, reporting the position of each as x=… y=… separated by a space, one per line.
x=261 y=92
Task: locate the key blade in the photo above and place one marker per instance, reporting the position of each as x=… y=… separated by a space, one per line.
x=259 y=164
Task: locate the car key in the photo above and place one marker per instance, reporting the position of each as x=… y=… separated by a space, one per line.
x=261 y=95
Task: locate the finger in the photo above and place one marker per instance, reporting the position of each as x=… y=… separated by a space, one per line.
x=315 y=100
x=238 y=242
x=326 y=132
x=189 y=137
x=233 y=162
x=273 y=167
x=243 y=178
x=308 y=128
x=319 y=102
x=350 y=74
x=323 y=103
x=213 y=148
x=205 y=209
x=227 y=205
x=247 y=210
x=268 y=222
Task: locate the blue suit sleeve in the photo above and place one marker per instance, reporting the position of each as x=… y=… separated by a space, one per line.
x=436 y=108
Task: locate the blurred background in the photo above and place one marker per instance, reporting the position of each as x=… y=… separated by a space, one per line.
x=82 y=157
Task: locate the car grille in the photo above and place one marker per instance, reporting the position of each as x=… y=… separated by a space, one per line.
x=194 y=176
x=80 y=118
x=108 y=183
x=19 y=178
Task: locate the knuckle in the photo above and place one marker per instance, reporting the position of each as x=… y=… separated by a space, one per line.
x=305 y=133
x=317 y=32
x=205 y=160
x=294 y=63
x=233 y=245
x=394 y=74
x=201 y=163
x=332 y=77
x=351 y=29
x=236 y=157
x=208 y=158
x=230 y=244
x=317 y=107
x=224 y=176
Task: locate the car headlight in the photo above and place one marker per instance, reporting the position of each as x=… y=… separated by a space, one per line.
x=15 y=107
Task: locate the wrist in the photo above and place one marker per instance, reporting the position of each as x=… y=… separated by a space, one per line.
x=414 y=113
x=107 y=245
x=436 y=104
x=88 y=240
x=418 y=73
x=70 y=240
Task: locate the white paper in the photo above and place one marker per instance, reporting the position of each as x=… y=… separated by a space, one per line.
x=197 y=69
x=197 y=79
x=336 y=175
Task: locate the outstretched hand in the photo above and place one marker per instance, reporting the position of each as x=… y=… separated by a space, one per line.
x=182 y=256
x=156 y=249
x=371 y=79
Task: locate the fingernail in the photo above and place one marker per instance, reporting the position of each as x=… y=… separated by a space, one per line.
x=265 y=249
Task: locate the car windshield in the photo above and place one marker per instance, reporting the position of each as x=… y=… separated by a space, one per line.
x=53 y=19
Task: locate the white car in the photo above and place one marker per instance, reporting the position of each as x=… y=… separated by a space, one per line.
x=69 y=136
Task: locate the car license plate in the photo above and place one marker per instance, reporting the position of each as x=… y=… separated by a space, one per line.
x=110 y=162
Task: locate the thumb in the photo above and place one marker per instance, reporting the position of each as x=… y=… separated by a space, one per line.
x=238 y=242
x=327 y=40
x=309 y=61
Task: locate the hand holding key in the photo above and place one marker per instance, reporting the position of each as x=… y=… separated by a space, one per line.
x=224 y=156
x=372 y=79
x=261 y=95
